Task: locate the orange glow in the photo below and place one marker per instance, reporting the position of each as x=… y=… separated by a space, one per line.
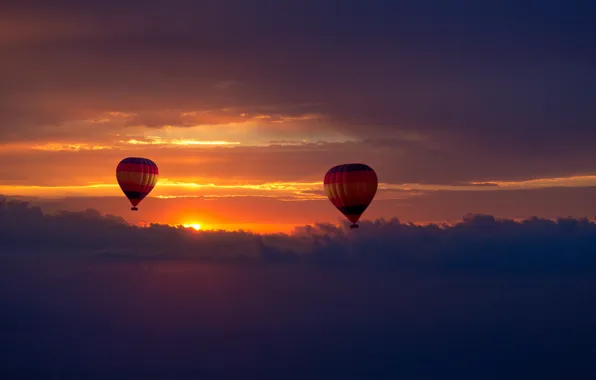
x=69 y=147
x=121 y=114
x=195 y=226
x=548 y=182
x=259 y=228
x=174 y=188
x=155 y=140
x=168 y=189
x=286 y=119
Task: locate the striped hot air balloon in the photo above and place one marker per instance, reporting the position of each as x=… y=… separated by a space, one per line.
x=351 y=188
x=137 y=177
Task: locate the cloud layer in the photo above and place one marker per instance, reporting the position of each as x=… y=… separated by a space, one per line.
x=89 y=296
x=479 y=242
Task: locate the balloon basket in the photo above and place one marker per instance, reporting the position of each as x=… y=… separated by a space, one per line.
x=354 y=226
x=134 y=209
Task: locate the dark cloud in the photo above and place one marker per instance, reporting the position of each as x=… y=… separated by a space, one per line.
x=478 y=242
x=85 y=296
x=503 y=78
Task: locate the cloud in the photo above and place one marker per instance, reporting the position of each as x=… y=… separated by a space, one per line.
x=493 y=91
x=396 y=161
x=280 y=211
x=87 y=295
x=479 y=242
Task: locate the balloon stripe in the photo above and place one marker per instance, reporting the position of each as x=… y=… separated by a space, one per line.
x=333 y=194
x=344 y=191
x=339 y=190
x=135 y=187
x=361 y=192
x=132 y=177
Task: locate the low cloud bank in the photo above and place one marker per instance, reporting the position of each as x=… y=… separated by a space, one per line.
x=478 y=241
x=484 y=299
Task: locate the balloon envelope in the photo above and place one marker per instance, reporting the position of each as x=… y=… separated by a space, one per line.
x=137 y=177
x=351 y=188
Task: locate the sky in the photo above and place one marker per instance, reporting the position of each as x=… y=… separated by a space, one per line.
x=458 y=107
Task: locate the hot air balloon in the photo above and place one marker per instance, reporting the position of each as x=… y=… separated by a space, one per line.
x=137 y=177
x=351 y=188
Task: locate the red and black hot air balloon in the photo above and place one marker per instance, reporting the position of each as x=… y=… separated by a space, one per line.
x=137 y=177
x=351 y=188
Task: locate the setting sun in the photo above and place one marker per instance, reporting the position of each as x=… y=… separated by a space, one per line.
x=195 y=226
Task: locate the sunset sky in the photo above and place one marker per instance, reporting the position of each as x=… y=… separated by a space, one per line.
x=459 y=106
x=473 y=113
